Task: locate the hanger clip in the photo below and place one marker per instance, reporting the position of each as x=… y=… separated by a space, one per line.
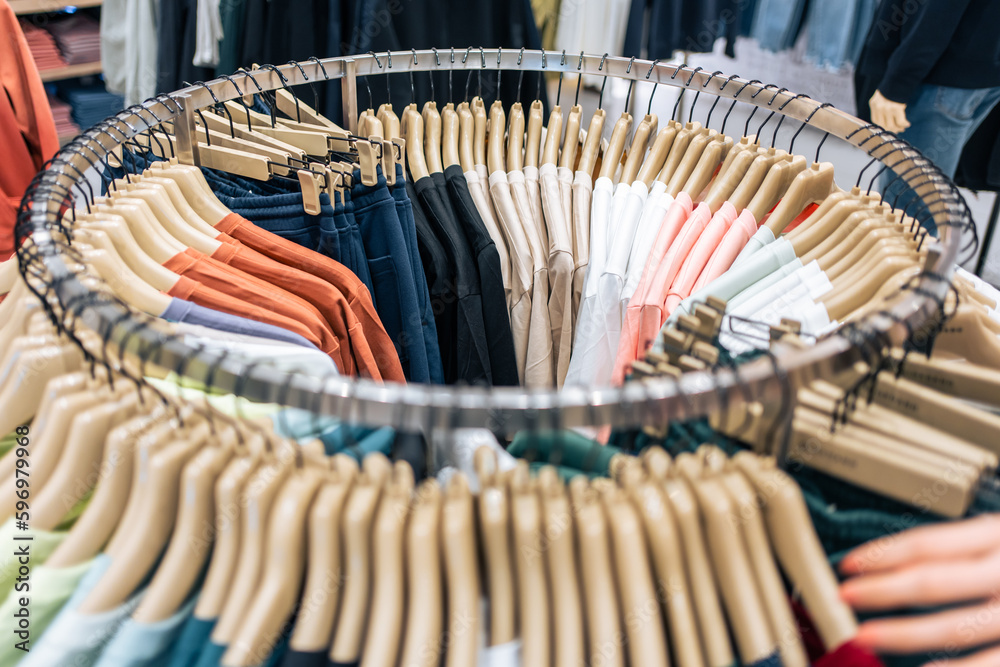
x=311 y=184
x=368 y=161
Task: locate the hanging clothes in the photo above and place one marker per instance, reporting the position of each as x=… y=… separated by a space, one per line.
x=27 y=131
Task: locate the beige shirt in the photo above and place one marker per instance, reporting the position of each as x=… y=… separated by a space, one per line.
x=561 y=267
x=520 y=268
x=535 y=201
x=484 y=204
x=582 y=192
x=540 y=365
x=565 y=176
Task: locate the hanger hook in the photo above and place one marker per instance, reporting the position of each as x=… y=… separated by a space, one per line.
x=697 y=93
x=600 y=68
x=285 y=86
x=680 y=96
x=722 y=89
x=312 y=86
x=538 y=86
x=809 y=118
x=579 y=80
x=319 y=63
x=482 y=58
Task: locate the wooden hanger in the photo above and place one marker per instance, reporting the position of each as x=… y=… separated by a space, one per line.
x=653 y=163
x=553 y=137
x=532 y=578
x=449 y=136
x=704 y=169
x=10 y=275
x=763 y=161
x=292 y=107
x=571 y=142
x=967 y=381
x=775 y=185
x=188 y=551
x=29 y=373
x=812 y=185
x=283 y=572
x=479 y=139
x=592 y=145
x=495 y=158
x=180 y=203
x=467 y=127
x=495 y=525
x=637 y=152
x=616 y=146
x=798 y=549
x=72 y=478
x=123 y=281
x=533 y=142
x=413 y=128
x=432 y=137
x=678 y=148
x=647 y=642
x=670 y=570
x=137 y=213
x=682 y=172
x=515 y=138
x=424 y=621
x=117 y=232
x=732 y=172
x=462 y=568
x=359 y=516
x=195 y=189
x=390 y=122
x=261 y=491
x=148 y=536
x=561 y=556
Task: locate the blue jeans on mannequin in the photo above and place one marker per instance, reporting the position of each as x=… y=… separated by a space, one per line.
x=942 y=120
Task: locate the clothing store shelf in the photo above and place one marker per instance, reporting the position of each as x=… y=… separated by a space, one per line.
x=22 y=7
x=71 y=71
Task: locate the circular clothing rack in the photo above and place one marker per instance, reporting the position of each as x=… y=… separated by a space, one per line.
x=130 y=340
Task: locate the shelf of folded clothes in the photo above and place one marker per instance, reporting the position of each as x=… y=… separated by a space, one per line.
x=24 y=7
x=71 y=71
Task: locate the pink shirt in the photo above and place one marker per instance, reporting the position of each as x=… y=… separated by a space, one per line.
x=673 y=221
x=698 y=257
x=732 y=245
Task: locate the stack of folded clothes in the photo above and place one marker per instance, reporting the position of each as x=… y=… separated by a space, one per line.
x=78 y=37
x=43 y=46
x=91 y=103
x=63 y=115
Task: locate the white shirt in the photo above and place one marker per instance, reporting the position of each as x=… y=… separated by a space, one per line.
x=657 y=203
x=128 y=48
x=763 y=237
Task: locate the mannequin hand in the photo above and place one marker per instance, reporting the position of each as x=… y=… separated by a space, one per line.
x=943 y=565
x=890 y=115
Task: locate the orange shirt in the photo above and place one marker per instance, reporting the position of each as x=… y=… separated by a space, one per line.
x=197 y=293
x=327 y=299
x=259 y=295
x=27 y=132
x=291 y=254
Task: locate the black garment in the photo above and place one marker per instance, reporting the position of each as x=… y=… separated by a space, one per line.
x=305 y=659
x=682 y=25
x=467 y=358
x=439 y=272
x=176 y=22
x=356 y=663
x=979 y=168
x=952 y=43
x=499 y=339
x=412 y=448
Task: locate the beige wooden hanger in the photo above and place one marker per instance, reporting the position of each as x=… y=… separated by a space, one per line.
x=292 y=107
x=647 y=642
x=495 y=158
x=798 y=549
x=123 y=281
x=137 y=213
x=561 y=557
x=812 y=185
x=462 y=571
x=553 y=137
x=616 y=146
x=432 y=137
x=187 y=553
x=195 y=189
x=533 y=141
x=682 y=172
x=159 y=500
x=467 y=128
x=449 y=136
x=678 y=148
x=764 y=160
x=866 y=226
x=73 y=477
x=704 y=170
x=734 y=168
x=282 y=574
x=29 y=373
x=775 y=185
x=592 y=145
x=424 y=621
x=967 y=381
x=495 y=526
x=385 y=620
x=413 y=128
x=359 y=516
x=663 y=536
x=217 y=131
x=390 y=122
x=653 y=163
x=261 y=490
x=637 y=152
x=571 y=142
x=845 y=299
x=515 y=138
x=320 y=599
x=969 y=335
x=479 y=138
x=532 y=578
x=303 y=136
x=602 y=611
x=770 y=585
x=731 y=562
x=97 y=523
x=148 y=269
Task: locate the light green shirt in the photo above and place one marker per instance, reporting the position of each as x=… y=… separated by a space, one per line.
x=39 y=548
x=228 y=404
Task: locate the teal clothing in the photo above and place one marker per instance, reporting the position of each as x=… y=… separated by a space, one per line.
x=211 y=655
x=146 y=644
x=564 y=448
x=379 y=441
x=195 y=635
x=565 y=473
x=301 y=424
